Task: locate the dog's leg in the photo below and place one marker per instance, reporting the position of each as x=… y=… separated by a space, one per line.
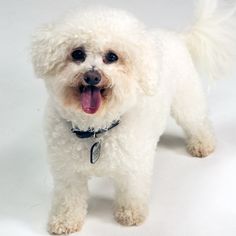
x=190 y=111
x=69 y=206
x=131 y=202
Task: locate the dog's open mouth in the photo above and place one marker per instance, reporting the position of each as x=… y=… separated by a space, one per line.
x=91 y=98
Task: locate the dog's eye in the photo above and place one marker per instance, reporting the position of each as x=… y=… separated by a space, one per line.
x=110 y=57
x=78 y=55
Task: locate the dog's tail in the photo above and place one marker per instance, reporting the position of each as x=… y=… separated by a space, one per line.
x=212 y=39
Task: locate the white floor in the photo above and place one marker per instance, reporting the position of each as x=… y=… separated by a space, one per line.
x=190 y=196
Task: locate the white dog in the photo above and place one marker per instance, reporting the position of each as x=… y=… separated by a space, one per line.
x=112 y=84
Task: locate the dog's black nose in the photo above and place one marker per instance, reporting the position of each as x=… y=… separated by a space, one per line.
x=92 y=77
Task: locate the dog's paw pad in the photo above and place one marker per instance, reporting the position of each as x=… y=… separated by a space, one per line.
x=129 y=216
x=56 y=227
x=200 y=149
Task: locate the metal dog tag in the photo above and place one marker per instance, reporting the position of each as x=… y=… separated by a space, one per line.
x=95 y=152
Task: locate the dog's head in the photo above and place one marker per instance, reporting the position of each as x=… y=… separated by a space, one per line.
x=96 y=63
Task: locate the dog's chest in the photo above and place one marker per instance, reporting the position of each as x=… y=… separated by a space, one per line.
x=75 y=154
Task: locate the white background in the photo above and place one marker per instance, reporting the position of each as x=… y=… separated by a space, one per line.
x=189 y=196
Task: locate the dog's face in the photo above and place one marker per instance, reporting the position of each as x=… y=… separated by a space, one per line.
x=96 y=64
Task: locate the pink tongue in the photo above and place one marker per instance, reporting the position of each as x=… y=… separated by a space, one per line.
x=91 y=99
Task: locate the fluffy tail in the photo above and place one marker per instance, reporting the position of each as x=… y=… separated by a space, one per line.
x=212 y=39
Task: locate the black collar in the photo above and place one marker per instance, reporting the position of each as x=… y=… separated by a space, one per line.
x=91 y=133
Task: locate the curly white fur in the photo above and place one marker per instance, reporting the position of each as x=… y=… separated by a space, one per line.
x=212 y=39
x=155 y=76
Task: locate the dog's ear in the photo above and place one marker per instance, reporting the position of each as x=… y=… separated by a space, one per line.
x=148 y=65
x=47 y=51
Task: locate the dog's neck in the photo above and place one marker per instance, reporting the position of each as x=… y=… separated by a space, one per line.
x=91 y=132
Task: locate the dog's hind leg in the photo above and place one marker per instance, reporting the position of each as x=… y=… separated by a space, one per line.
x=189 y=109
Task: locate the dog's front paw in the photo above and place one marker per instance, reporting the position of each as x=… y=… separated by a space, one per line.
x=199 y=148
x=129 y=216
x=57 y=225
